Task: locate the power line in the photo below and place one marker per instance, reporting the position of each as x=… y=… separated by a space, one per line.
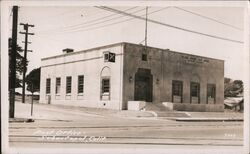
x=107 y=20
x=111 y=24
x=167 y=25
x=209 y=18
x=101 y=18
x=114 y=23
x=89 y=22
x=100 y=22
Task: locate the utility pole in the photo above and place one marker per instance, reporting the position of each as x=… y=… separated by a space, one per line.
x=26 y=33
x=13 y=62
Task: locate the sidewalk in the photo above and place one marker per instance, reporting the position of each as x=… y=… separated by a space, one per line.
x=225 y=116
x=57 y=112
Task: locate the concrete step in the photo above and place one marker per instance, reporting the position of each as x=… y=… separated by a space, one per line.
x=163 y=111
x=155 y=107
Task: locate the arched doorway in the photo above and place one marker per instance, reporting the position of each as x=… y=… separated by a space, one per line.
x=143 y=85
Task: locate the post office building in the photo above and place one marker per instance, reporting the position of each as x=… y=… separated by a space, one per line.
x=114 y=75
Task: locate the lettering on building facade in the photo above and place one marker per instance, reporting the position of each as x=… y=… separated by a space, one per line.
x=194 y=60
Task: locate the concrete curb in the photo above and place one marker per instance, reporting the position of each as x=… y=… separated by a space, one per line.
x=135 y=114
x=209 y=119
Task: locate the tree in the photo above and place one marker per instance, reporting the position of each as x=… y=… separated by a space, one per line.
x=19 y=64
x=33 y=80
x=232 y=88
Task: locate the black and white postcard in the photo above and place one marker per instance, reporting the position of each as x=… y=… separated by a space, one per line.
x=125 y=77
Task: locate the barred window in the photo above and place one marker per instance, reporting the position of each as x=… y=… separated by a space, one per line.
x=48 y=86
x=105 y=85
x=177 y=88
x=195 y=89
x=58 y=85
x=80 y=83
x=211 y=90
x=68 y=84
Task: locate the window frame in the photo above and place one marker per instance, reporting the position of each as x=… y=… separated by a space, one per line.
x=177 y=82
x=68 y=85
x=107 y=86
x=80 y=86
x=105 y=93
x=198 y=91
x=213 y=86
x=48 y=86
x=58 y=86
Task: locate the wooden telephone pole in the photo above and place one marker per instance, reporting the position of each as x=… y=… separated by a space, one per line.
x=26 y=33
x=13 y=62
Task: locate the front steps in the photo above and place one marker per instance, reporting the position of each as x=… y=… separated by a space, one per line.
x=162 y=111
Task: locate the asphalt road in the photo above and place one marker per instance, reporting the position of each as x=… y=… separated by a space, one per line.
x=57 y=126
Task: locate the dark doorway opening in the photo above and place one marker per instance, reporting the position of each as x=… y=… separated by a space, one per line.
x=143 y=85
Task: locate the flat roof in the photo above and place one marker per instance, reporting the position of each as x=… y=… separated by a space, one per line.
x=123 y=43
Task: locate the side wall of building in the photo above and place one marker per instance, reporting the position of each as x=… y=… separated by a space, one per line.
x=91 y=64
x=167 y=66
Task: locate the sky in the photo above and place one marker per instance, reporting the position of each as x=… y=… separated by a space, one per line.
x=82 y=28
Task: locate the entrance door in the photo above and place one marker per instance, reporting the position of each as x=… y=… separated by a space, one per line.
x=143 y=85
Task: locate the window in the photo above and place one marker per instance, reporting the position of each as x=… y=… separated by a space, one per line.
x=48 y=86
x=58 y=85
x=80 y=83
x=211 y=91
x=177 y=87
x=105 y=91
x=195 y=92
x=144 y=57
x=105 y=85
x=195 y=89
x=68 y=84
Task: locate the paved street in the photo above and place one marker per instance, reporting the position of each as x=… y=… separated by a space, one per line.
x=57 y=125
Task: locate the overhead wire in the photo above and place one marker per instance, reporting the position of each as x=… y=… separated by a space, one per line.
x=124 y=20
x=209 y=18
x=168 y=25
x=76 y=26
x=101 y=18
x=114 y=23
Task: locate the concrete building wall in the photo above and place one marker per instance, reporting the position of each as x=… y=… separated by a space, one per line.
x=89 y=63
x=161 y=68
x=167 y=66
x=132 y=61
